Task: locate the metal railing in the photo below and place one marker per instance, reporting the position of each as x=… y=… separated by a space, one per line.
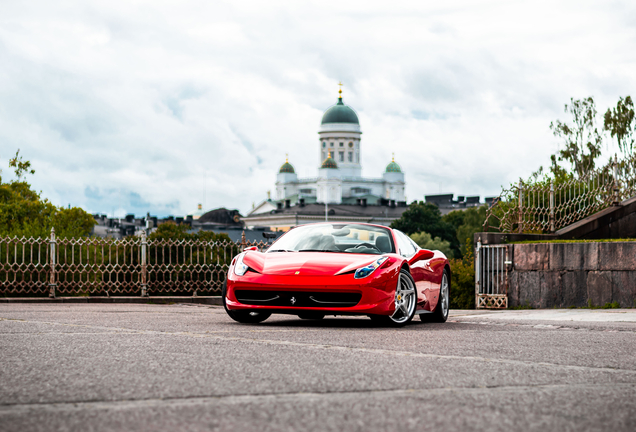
x=131 y=266
x=491 y=276
x=545 y=207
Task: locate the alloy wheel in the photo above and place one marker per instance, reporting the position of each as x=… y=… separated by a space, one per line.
x=405 y=300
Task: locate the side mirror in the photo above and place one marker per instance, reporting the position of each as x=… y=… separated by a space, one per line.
x=251 y=248
x=422 y=255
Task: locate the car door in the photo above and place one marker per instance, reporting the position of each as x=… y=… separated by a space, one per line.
x=407 y=249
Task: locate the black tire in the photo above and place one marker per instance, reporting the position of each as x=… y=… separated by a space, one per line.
x=311 y=315
x=243 y=316
x=440 y=314
x=391 y=320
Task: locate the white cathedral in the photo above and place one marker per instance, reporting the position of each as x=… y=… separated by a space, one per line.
x=339 y=178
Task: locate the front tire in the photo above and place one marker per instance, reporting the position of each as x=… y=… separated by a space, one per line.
x=243 y=316
x=405 y=303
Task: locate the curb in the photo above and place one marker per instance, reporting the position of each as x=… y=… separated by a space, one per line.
x=209 y=300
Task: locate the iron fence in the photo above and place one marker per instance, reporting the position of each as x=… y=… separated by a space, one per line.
x=491 y=276
x=132 y=266
x=548 y=206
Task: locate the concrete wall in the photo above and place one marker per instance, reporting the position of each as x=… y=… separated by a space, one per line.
x=546 y=275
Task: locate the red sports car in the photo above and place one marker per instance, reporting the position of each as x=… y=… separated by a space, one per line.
x=339 y=269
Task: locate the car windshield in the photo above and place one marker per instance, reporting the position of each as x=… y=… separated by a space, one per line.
x=337 y=237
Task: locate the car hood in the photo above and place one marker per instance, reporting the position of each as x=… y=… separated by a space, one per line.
x=306 y=263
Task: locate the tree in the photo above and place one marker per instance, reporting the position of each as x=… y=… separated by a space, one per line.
x=454 y=218
x=581 y=137
x=426 y=217
x=20 y=167
x=426 y=241
x=619 y=123
x=474 y=219
x=24 y=213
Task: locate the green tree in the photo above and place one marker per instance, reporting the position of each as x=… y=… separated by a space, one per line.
x=426 y=217
x=581 y=137
x=24 y=213
x=619 y=122
x=426 y=241
x=172 y=231
x=474 y=219
x=454 y=218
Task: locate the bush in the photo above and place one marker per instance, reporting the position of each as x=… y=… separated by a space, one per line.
x=463 y=280
x=426 y=241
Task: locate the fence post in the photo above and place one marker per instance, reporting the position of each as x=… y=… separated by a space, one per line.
x=520 y=228
x=243 y=242
x=616 y=195
x=52 y=256
x=552 y=229
x=144 y=270
x=477 y=271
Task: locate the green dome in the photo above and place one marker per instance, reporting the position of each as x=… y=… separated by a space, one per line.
x=393 y=167
x=329 y=163
x=287 y=168
x=340 y=113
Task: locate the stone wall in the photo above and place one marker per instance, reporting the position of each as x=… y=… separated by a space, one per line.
x=546 y=275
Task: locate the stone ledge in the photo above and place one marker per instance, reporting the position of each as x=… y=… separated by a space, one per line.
x=210 y=300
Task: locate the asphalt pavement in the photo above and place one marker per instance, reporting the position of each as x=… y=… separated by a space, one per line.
x=125 y=367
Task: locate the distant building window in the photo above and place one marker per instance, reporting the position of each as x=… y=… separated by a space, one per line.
x=350 y=156
x=324 y=144
x=331 y=154
x=341 y=144
x=331 y=144
x=350 y=144
x=324 y=155
x=357 y=157
x=341 y=156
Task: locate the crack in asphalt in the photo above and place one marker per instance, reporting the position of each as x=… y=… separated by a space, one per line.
x=341 y=348
x=279 y=397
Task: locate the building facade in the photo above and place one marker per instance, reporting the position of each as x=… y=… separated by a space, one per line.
x=339 y=179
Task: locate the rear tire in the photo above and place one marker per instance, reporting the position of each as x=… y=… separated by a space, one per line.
x=243 y=316
x=440 y=314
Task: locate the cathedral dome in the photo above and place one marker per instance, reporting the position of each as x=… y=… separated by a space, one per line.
x=329 y=163
x=393 y=167
x=287 y=168
x=340 y=113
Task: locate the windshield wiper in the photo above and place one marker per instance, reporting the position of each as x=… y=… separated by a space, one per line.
x=281 y=250
x=319 y=250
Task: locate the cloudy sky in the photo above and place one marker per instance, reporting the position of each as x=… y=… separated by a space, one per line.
x=136 y=106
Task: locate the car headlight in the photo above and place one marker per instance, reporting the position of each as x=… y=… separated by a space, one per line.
x=365 y=271
x=240 y=268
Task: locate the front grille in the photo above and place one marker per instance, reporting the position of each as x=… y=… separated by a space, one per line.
x=298 y=298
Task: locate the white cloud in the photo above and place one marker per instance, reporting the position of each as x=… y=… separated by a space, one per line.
x=126 y=105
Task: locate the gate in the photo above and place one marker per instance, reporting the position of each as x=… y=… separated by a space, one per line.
x=491 y=276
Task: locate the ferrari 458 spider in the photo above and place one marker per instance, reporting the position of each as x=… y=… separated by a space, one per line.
x=339 y=269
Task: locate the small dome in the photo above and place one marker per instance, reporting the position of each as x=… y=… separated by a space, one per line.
x=287 y=168
x=340 y=113
x=393 y=167
x=329 y=163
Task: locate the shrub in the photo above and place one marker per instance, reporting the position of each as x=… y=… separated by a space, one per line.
x=463 y=280
x=426 y=241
